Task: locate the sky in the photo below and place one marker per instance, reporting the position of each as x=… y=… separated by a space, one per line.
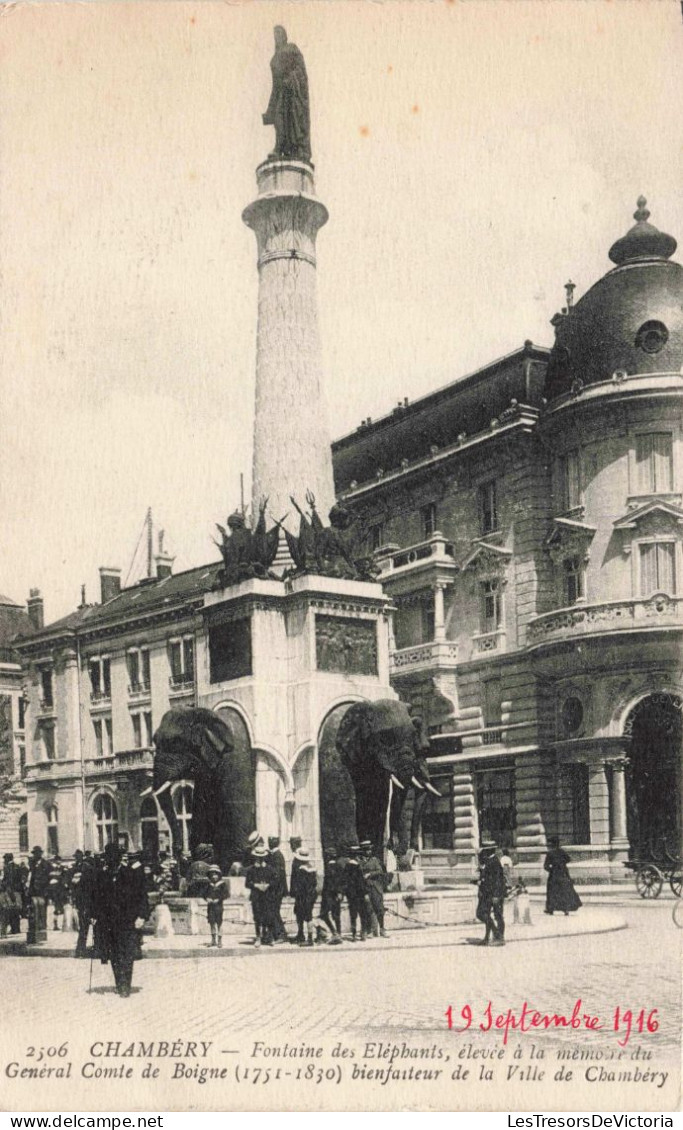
x=474 y=155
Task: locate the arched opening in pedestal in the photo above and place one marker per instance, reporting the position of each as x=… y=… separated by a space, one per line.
x=654 y=776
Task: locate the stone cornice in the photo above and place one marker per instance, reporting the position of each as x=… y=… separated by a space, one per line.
x=524 y=421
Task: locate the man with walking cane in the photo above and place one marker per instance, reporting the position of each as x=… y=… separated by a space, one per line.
x=120 y=909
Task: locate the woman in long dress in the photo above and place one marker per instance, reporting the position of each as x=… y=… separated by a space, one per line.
x=560 y=893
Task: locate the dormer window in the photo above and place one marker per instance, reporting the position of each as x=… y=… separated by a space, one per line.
x=654 y=463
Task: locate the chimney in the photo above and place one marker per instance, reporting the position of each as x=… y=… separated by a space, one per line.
x=34 y=607
x=164 y=564
x=110 y=583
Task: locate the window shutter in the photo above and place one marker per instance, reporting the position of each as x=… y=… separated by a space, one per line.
x=662 y=461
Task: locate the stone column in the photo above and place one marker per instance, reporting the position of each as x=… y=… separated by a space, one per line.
x=618 y=827
x=73 y=736
x=530 y=790
x=598 y=803
x=439 y=612
x=465 y=822
x=292 y=453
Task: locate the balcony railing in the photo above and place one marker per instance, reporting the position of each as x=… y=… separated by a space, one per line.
x=436 y=655
x=47 y=706
x=489 y=641
x=98 y=697
x=430 y=551
x=181 y=683
x=138 y=690
x=658 y=611
x=124 y=759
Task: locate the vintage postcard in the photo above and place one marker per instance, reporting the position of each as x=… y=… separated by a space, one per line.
x=341 y=636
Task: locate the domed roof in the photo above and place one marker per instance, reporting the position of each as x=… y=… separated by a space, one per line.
x=630 y=321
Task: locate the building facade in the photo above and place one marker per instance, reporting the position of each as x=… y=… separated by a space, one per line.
x=527 y=521
x=13 y=821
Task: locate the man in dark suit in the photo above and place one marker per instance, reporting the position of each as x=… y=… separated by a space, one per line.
x=38 y=885
x=82 y=884
x=277 y=861
x=120 y=909
x=492 y=888
x=13 y=890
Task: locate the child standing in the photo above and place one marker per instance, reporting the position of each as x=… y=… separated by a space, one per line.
x=304 y=889
x=216 y=894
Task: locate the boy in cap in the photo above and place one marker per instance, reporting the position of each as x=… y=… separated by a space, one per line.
x=216 y=893
x=304 y=891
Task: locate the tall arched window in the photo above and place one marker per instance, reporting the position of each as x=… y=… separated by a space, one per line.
x=182 y=803
x=52 y=830
x=106 y=820
x=23 y=833
x=149 y=826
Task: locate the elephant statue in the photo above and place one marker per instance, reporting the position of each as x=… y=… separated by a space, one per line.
x=214 y=753
x=373 y=765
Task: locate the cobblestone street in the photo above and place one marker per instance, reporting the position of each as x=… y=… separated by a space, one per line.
x=391 y=995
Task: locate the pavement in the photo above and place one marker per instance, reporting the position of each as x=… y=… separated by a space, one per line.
x=589 y=920
x=359 y=1000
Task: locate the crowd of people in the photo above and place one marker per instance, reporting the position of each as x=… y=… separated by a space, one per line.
x=110 y=893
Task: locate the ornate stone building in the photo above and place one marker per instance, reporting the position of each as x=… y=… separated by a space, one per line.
x=527 y=520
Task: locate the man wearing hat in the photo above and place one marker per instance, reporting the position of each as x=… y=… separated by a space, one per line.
x=277 y=861
x=304 y=891
x=254 y=841
x=261 y=880
x=12 y=887
x=36 y=892
x=216 y=894
x=120 y=907
x=373 y=873
x=356 y=893
x=82 y=888
x=492 y=888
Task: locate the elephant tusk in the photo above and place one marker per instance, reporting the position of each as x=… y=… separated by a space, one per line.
x=396 y=781
x=147 y=791
x=418 y=784
x=432 y=789
x=162 y=789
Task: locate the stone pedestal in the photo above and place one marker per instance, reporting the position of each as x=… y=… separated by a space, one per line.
x=292 y=453
x=310 y=645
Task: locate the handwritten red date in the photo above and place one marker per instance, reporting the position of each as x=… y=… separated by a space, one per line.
x=624 y=1021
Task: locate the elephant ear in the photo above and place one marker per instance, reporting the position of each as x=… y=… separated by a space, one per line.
x=353 y=731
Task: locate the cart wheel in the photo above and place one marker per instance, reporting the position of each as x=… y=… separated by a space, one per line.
x=649 y=881
x=676 y=883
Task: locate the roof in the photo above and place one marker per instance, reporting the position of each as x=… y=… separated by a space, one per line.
x=465 y=406
x=630 y=322
x=13 y=621
x=149 y=595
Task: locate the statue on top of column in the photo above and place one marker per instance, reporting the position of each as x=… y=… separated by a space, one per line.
x=288 y=109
